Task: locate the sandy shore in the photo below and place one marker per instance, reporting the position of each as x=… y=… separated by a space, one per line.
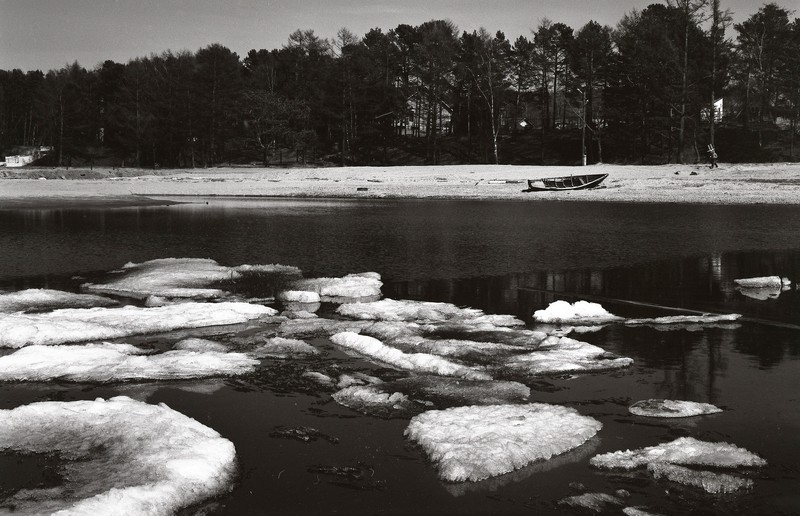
x=774 y=183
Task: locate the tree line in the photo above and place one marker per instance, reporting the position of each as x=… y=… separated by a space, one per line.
x=644 y=91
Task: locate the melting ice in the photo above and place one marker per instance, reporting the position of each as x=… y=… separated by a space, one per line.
x=352 y=286
x=107 y=362
x=77 y=325
x=39 y=300
x=121 y=457
x=671 y=408
x=478 y=442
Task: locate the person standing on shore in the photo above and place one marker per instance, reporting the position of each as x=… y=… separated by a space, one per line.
x=712 y=156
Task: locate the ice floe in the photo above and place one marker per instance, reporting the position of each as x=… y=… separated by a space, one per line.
x=418 y=362
x=415 y=394
x=582 y=312
x=107 y=362
x=671 y=408
x=281 y=347
x=77 y=325
x=120 y=457
x=39 y=299
x=684 y=319
x=298 y=296
x=194 y=278
x=565 y=355
x=762 y=282
x=200 y=345
x=709 y=481
x=317 y=327
x=686 y=451
x=595 y=502
x=478 y=442
x=352 y=286
x=422 y=311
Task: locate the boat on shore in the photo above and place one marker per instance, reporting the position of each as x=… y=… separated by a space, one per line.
x=557 y=184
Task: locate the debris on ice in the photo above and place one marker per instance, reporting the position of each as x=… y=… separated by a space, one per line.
x=107 y=362
x=40 y=299
x=78 y=325
x=418 y=362
x=366 y=284
x=710 y=481
x=671 y=408
x=422 y=311
x=281 y=347
x=582 y=312
x=686 y=451
x=477 y=442
x=424 y=392
x=121 y=457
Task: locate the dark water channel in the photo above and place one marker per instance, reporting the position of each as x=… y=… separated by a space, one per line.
x=502 y=257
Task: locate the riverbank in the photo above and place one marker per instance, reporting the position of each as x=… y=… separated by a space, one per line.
x=771 y=183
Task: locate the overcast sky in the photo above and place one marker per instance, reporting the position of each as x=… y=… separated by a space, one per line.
x=47 y=34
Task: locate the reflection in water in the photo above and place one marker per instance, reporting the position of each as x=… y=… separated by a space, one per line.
x=503 y=257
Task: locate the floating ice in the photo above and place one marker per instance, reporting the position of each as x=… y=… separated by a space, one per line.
x=762 y=293
x=686 y=451
x=595 y=502
x=685 y=319
x=122 y=457
x=179 y=278
x=36 y=299
x=711 y=482
x=356 y=378
x=636 y=511
x=317 y=327
x=77 y=325
x=320 y=378
x=763 y=282
x=473 y=443
x=582 y=312
x=417 y=393
x=298 y=296
x=107 y=362
x=566 y=355
x=671 y=408
x=280 y=347
x=419 y=362
x=200 y=345
x=366 y=284
x=166 y=277
x=421 y=311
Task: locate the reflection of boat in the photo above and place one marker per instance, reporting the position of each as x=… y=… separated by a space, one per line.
x=578 y=182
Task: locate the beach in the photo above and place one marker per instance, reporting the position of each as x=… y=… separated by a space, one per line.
x=769 y=183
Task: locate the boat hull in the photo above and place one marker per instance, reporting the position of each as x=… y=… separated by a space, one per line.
x=557 y=184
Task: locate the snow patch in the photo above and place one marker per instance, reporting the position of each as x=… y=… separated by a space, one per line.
x=474 y=443
x=107 y=362
x=78 y=325
x=122 y=457
x=582 y=312
x=671 y=408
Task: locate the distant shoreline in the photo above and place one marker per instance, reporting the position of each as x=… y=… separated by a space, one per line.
x=770 y=183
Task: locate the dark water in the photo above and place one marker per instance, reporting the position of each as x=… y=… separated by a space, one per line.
x=503 y=257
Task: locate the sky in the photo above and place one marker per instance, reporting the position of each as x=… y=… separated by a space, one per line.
x=49 y=34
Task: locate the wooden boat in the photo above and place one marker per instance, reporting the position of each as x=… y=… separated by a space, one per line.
x=557 y=184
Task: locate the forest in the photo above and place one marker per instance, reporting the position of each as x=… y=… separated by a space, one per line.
x=660 y=87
